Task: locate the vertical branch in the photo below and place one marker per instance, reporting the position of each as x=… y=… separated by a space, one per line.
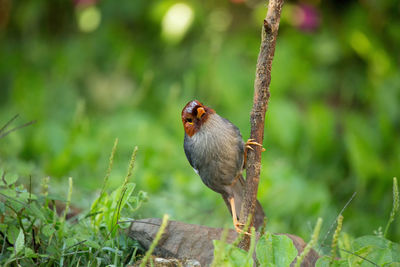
x=260 y=106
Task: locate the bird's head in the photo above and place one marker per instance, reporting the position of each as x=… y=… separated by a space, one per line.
x=194 y=115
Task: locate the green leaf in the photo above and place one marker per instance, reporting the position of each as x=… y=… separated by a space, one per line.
x=378 y=249
x=325 y=261
x=130 y=187
x=2 y=208
x=230 y=255
x=11 y=179
x=113 y=250
x=36 y=212
x=16 y=205
x=118 y=201
x=275 y=250
x=25 y=196
x=368 y=240
x=68 y=242
x=48 y=230
x=116 y=195
x=12 y=233
x=20 y=242
x=356 y=258
x=142 y=196
x=3 y=227
x=92 y=244
x=10 y=193
x=98 y=201
x=29 y=253
x=264 y=250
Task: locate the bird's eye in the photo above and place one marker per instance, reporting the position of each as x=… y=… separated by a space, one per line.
x=189 y=120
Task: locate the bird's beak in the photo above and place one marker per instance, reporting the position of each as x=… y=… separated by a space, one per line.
x=200 y=112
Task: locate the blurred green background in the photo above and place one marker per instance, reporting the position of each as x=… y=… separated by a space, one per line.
x=91 y=71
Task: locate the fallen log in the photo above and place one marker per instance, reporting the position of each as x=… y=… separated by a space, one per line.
x=190 y=241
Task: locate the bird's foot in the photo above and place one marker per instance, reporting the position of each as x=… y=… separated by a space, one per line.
x=247 y=146
x=236 y=223
x=239 y=230
x=252 y=142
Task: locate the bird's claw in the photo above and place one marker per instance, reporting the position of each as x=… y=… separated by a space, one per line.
x=239 y=230
x=236 y=223
x=252 y=142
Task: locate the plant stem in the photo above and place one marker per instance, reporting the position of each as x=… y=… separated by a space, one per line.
x=395 y=205
x=310 y=244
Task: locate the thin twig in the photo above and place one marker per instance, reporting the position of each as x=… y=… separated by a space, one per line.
x=333 y=223
x=361 y=257
x=260 y=106
x=9 y=122
x=354 y=254
x=74 y=245
x=16 y=128
x=3 y=176
x=139 y=221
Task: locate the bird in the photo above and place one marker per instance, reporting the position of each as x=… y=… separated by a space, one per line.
x=215 y=149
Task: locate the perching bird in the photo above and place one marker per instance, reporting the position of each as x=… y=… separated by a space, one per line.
x=216 y=151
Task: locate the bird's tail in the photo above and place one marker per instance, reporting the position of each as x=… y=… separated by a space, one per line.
x=237 y=191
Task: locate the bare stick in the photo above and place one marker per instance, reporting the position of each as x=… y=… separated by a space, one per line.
x=260 y=106
x=14 y=129
x=337 y=218
x=8 y=123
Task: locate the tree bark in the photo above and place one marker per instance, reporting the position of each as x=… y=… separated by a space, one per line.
x=189 y=241
x=260 y=106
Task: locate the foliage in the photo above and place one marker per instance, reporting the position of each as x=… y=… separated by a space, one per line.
x=33 y=232
x=279 y=251
x=271 y=250
x=230 y=255
x=274 y=250
x=368 y=250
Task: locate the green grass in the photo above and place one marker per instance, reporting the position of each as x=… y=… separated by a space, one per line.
x=33 y=232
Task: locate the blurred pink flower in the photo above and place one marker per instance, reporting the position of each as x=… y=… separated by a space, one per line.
x=306 y=17
x=84 y=2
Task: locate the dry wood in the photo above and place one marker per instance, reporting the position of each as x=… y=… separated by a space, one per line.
x=195 y=242
x=260 y=106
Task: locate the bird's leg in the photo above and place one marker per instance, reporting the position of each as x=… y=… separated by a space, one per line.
x=247 y=146
x=236 y=223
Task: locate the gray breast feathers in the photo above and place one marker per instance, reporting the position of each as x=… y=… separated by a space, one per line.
x=216 y=152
